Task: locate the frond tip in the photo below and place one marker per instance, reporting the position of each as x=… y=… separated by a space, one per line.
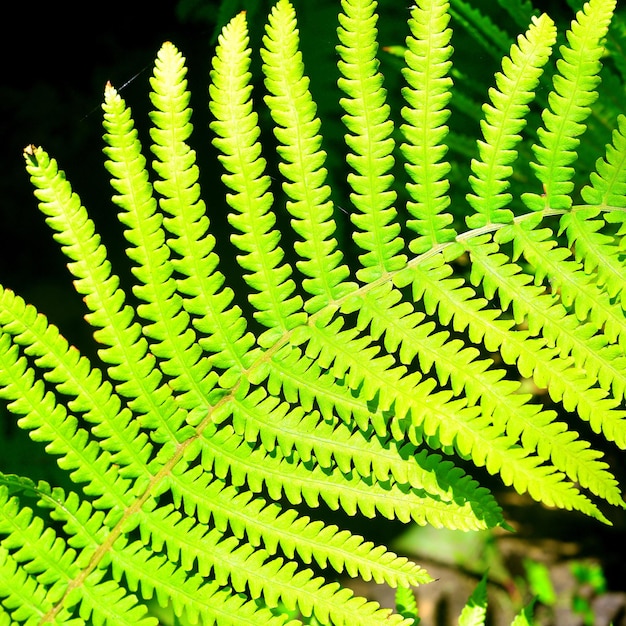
x=427 y=94
x=301 y=161
x=504 y=119
x=574 y=91
x=370 y=141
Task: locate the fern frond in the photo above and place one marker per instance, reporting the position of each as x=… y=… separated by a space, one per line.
x=446 y=421
x=406 y=603
x=221 y=326
x=143 y=230
x=237 y=132
x=275 y=579
x=499 y=398
x=334 y=444
x=199 y=445
x=224 y=454
x=576 y=288
x=370 y=141
x=127 y=355
x=423 y=474
x=475 y=611
x=504 y=120
x=45 y=555
x=574 y=92
x=533 y=360
x=116 y=489
x=598 y=253
x=173 y=340
x=607 y=183
x=191 y=596
x=23 y=598
x=607 y=188
x=294 y=113
x=452 y=360
x=48 y=422
x=35 y=548
x=544 y=312
x=427 y=94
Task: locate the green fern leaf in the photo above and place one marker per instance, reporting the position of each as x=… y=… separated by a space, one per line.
x=371 y=142
x=143 y=231
x=406 y=603
x=482 y=322
x=427 y=93
x=90 y=396
x=273 y=526
x=595 y=251
x=475 y=611
x=238 y=132
x=297 y=126
x=175 y=165
x=55 y=567
x=504 y=119
x=570 y=100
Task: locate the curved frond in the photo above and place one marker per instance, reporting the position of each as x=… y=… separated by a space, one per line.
x=49 y=422
x=37 y=551
x=237 y=133
x=173 y=339
x=90 y=395
x=220 y=324
x=504 y=119
x=268 y=524
x=544 y=312
x=302 y=159
x=274 y=579
x=598 y=253
x=573 y=93
x=127 y=355
x=148 y=251
x=608 y=183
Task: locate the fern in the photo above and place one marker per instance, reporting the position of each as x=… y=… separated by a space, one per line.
x=201 y=439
